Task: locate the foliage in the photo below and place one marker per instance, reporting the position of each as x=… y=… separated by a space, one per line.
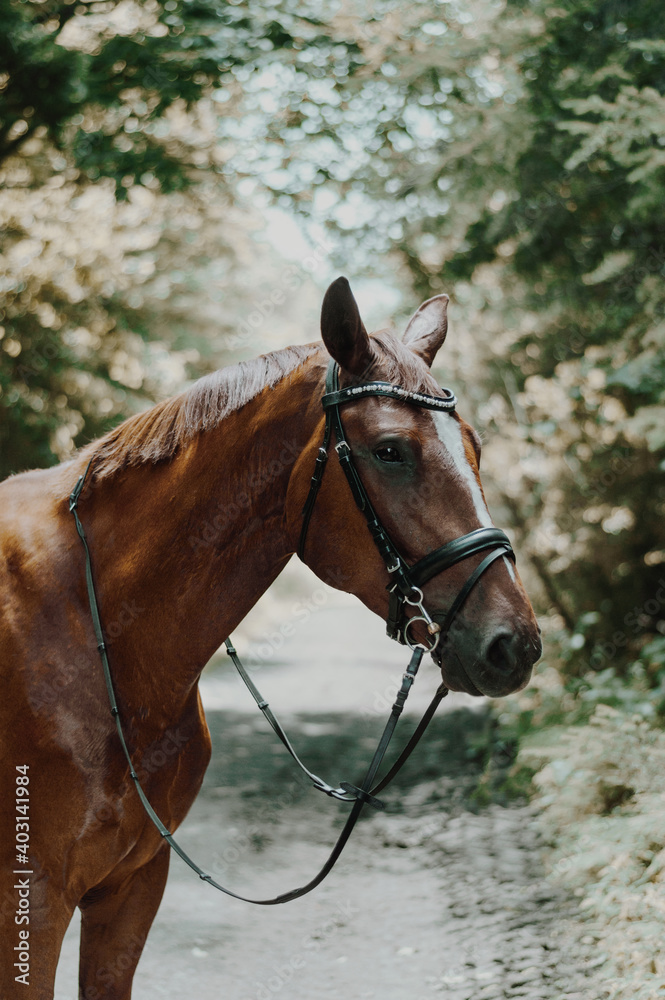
x=592 y=759
x=600 y=795
x=587 y=228
x=99 y=81
x=515 y=156
x=113 y=262
x=101 y=310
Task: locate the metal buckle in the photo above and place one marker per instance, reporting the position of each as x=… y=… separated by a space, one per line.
x=76 y=493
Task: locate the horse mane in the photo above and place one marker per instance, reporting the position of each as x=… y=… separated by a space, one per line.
x=158 y=433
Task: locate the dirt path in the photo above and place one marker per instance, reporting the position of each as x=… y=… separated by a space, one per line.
x=429 y=898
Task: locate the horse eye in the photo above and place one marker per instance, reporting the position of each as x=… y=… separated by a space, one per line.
x=388 y=454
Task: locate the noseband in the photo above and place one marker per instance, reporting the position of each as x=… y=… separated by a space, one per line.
x=406 y=582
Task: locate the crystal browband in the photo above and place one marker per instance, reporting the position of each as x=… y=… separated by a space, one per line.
x=340 y=396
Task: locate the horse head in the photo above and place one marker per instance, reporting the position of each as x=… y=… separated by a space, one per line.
x=419 y=468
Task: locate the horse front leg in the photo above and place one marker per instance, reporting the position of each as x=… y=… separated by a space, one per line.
x=30 y=939
x=115 y=920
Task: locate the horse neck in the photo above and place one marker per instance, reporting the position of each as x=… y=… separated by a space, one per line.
x=182 y=550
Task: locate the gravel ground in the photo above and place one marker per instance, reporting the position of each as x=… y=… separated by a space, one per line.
x=430 y=898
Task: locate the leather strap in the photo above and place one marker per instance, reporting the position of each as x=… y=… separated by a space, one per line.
x=460 y=548
x=441 y=559
x=323 y=786
x=361 y=795
x=344 y=786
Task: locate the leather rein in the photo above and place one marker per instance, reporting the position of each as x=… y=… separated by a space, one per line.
x=405 y=590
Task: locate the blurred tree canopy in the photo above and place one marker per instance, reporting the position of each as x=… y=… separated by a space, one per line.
x=119 y=222
x=509 y=152
x=514 y=154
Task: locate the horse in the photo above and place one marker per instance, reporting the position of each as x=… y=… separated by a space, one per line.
x=192 y=509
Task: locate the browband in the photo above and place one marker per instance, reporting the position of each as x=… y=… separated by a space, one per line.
x=339 y=396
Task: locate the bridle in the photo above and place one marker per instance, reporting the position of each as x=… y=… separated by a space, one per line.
x=405 y=590
x=406 y=581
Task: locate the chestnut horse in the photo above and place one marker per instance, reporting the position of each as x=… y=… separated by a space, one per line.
x=192 y=509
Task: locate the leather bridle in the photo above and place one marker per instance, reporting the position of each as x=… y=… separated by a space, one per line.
x=406 y=581
x=405 y=590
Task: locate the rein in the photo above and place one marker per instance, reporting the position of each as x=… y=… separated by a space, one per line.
x=404 y=588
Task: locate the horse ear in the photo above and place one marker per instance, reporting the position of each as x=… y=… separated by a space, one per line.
x=342 y=329
x=427 y=328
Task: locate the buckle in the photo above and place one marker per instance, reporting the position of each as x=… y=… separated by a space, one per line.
x=364 y=796
x=76 y=493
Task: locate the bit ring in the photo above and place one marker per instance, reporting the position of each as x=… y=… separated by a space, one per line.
x=419 y=645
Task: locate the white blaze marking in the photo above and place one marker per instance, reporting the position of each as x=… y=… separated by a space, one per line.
x=509 y=567
x=450 y=435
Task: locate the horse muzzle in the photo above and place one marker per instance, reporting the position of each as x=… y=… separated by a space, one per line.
x=494 y=666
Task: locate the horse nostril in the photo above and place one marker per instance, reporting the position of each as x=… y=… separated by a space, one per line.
x=502 y=652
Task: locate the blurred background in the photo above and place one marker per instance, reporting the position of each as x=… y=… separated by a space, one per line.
x=180 y=180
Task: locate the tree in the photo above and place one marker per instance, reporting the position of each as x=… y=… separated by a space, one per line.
x=582 y=233
x=117 y=213
x=98 y=82
x=514 y=156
